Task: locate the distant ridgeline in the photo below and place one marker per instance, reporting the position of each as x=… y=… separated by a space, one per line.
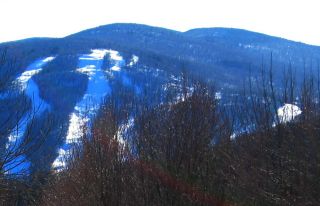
x=82 y=69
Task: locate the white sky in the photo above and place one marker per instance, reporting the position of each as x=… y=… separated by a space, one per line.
x=296 y=19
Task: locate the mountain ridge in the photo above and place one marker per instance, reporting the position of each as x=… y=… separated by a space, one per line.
x=188 y=32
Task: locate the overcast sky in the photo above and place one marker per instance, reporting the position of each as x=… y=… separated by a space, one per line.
x=296 y=19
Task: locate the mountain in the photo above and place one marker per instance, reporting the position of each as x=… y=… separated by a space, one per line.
x=216 y=52
x=134 y=60
x=285 y=50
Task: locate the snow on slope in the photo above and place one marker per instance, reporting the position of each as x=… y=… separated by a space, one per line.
x=59 y=162
x=288 y=112
x=123 y=130
x=88 y=70
x=134 y=60
x=31 y=89
x=116 y=60
x=33 y=69
x=85 y=110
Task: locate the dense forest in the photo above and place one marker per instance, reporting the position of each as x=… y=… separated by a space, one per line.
x=184 y=152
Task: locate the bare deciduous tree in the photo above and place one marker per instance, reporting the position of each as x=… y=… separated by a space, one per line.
x=17 y=139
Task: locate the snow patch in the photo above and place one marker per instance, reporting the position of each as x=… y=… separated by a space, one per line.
x=76 y=124
x=134 y=60
x=60 y=162
x=27 y=75
x=116 y=59
x=218 y=96
x=115 y=68
x=233 y=136
x=89 y=70
x=114 y=55
x=97 y=54
x=48 y=59
x=288 y=112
